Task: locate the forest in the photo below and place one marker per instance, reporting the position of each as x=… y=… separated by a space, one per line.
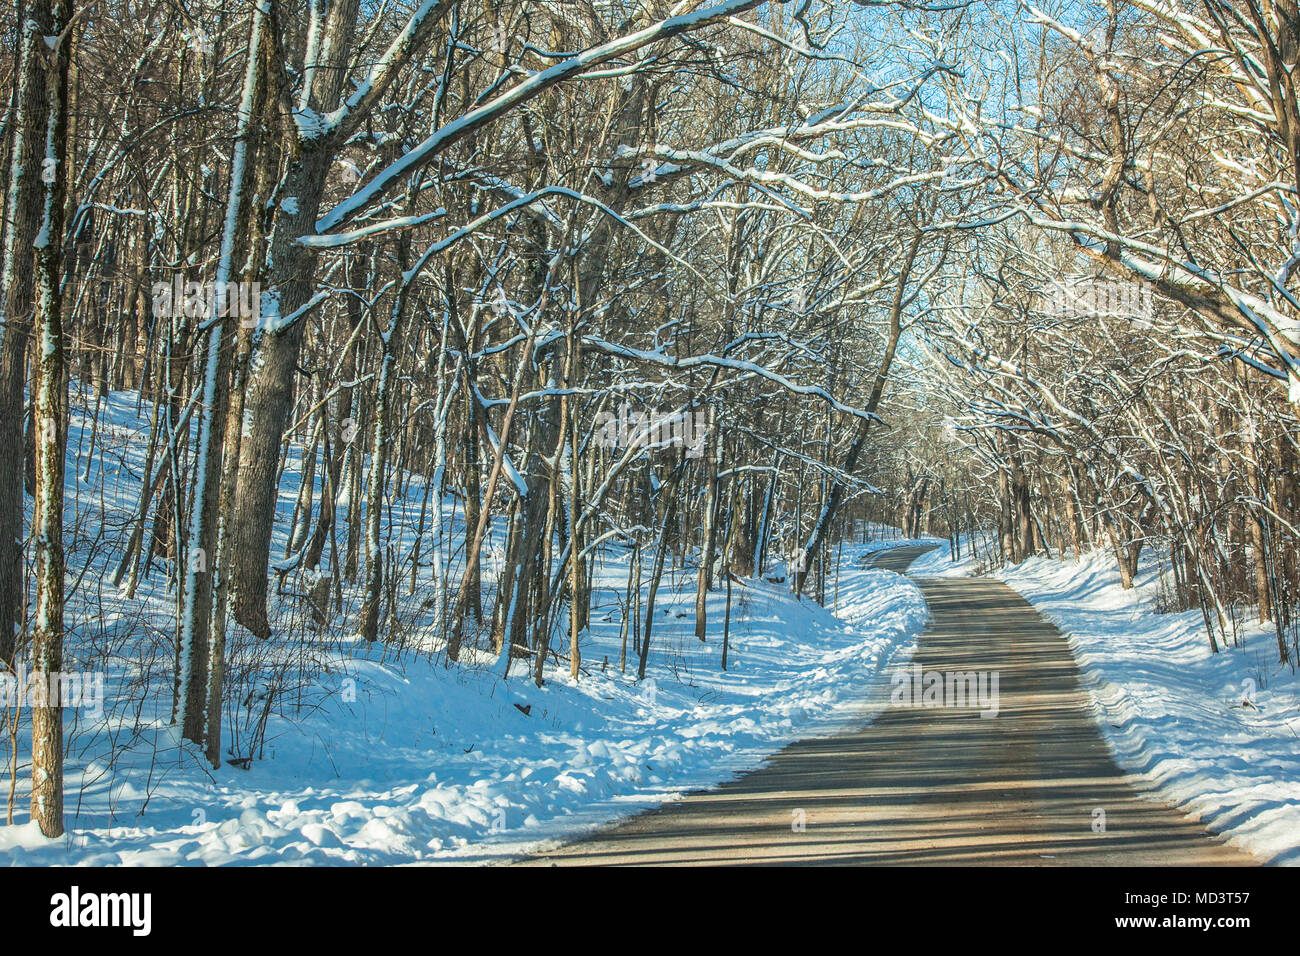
x=396 y=328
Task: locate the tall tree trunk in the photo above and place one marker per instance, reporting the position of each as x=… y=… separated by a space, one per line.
x=193 y=651
x=272 y=374
x=22 y=208
x=50 y=409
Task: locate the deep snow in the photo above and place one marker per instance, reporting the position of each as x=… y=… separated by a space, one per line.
x=385 y=757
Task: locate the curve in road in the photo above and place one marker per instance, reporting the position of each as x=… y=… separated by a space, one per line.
x=1033 y=785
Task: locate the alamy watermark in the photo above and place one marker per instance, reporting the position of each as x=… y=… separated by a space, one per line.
x=915 y=687
x=651 y=428
x=65 y=689
x=206 y=300
x=1095 y=298
x=75 y=909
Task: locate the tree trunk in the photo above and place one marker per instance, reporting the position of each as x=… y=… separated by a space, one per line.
x=195 y=635
x=22 y=206
x=50 y=407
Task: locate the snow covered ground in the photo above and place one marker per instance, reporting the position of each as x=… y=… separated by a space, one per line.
x=1218 y=734
x=384 y=756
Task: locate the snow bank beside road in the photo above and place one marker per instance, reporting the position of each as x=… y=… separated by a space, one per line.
x=1219 y=734
x=415 y=762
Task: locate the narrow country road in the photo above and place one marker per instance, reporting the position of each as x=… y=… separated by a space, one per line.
x=937 y=785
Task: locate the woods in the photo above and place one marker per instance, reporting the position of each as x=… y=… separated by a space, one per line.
x=431 y=310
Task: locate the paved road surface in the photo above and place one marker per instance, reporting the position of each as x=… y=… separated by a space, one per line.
x=934 y=785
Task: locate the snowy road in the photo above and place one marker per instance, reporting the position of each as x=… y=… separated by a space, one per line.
x=1032 y=785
